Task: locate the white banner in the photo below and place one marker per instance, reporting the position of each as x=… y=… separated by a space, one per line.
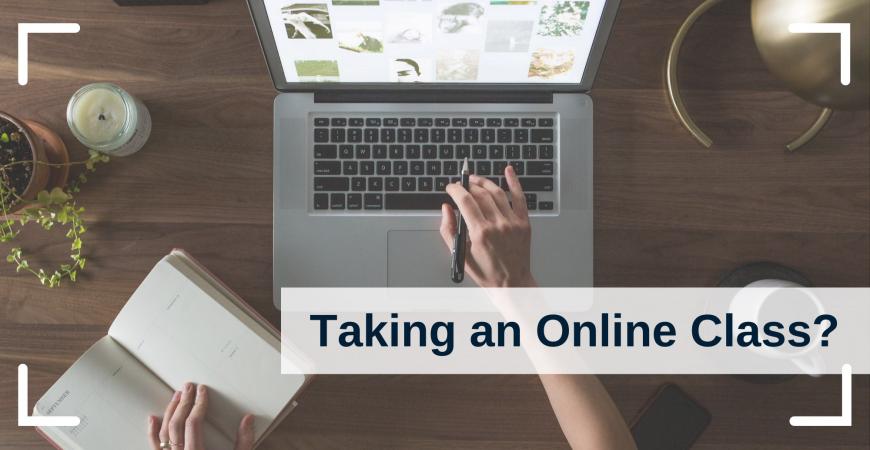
x=756 y=330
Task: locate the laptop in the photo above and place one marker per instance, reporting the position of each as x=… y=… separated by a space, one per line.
x=381 y=100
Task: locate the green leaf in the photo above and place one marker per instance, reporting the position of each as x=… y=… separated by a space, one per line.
x=72 y=276
x=10 y=258
x=4 y=138
x=77 y=244
x=44 y=198
x=58 y=196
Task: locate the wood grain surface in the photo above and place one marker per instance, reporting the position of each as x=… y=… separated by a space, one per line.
x=668 y=213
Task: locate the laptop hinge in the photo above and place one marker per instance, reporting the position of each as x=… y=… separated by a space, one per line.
x=398 y=96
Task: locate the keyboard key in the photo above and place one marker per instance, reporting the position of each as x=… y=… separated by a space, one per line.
x=545 y=206
x=350 y=167
x=408 y=122
x=409 y=184
x=545 y=122
x=376 y=184
x=379 y=151
x=321 y=135
x=424 y=122
x=531 y=201
x=345 y=151
x=421 y=135
x=321 y=201
x=325 y=151
x=336 y=201
x=451 y=168
x=459 y=122
x=321 y=122
x=370 y=135
x=521 y=135
x=358 y=184
x=397 y=152
x=372 y=122
x=519 y=167
x=433 y=168
x=327 y=168
x=483 y=168
x=354 y=201
x=476 y=122
x=331 y=184
x=405 y=135
x=445 y=152
x=356 y=122
x=493 y=122
x=391 y=122
x=391 y=184
x=498 y=167
x=430 y=152
x=412 y=151
x=512 y=122
x=463 y=151
x=337 y=135
x=533 y=184
x=441 y=183
x=442 y=122
x=384 y=167
x=529 y=122
x=454 y=135
x=496 y=152
x=542 y=136
x=530 y=152
x=374 y=201
x=400 y=167
x=388 y=135
x=505 y=135
x=478 y=152
x=363 y=152
x=487 y=135
x=425 y=184
x=367 y=168
x=416 y=201
x=471 y=135
x=539 y=168
x=437 y=135
x=338 y=122
x=354 y=135
x=417 y=168
x=512 y=152
x=546 y=151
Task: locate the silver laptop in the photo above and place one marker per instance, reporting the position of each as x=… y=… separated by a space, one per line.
x=382 y=99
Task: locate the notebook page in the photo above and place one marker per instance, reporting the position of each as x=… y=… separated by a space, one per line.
x=113 y=394
x=182 y=334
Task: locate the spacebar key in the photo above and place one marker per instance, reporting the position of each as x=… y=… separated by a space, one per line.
x=416 y=201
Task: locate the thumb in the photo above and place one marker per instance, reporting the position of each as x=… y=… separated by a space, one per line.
x=245 y=436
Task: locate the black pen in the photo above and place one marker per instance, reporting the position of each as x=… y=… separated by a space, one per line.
x=457 y=270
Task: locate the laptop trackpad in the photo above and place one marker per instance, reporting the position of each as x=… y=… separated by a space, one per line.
x=417 y=258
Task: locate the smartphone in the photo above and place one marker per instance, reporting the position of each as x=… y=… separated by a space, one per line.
x=670 y=421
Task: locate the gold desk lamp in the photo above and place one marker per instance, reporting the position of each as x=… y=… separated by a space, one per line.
x=809 y=64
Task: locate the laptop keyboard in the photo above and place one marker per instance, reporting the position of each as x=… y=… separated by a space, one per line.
x=379 y=163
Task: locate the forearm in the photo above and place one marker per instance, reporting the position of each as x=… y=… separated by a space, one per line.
x=586 y=413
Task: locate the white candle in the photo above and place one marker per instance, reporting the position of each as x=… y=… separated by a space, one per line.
x=105 y=117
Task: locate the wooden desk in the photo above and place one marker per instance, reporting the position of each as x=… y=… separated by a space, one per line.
x=668 y=213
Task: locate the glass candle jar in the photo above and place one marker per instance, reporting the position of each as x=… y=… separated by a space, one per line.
x=106 y=118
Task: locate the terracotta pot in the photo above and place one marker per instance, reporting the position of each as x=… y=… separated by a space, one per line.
x=41 y=172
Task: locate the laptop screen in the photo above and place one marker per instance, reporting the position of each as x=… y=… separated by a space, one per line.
x=381 y=41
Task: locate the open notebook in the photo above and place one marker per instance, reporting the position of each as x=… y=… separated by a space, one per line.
x=180 y=325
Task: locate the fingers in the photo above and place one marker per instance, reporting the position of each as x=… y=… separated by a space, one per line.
x=193 y=433
x=517 y=197
x=448 y=225
x=153 y=433
x=163 y=434
x=496 y=193
x=245 y=436
x=179 y=417
x=467 y=205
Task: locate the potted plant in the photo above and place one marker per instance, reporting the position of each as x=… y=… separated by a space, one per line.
x=34 y=168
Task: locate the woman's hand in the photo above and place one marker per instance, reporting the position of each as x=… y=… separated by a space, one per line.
x=183 y=421
x=498 y=253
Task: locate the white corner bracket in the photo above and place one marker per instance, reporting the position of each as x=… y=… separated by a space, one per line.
x=845 y=417
x=25 y=420
x=845 y=41
x=25 y=29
